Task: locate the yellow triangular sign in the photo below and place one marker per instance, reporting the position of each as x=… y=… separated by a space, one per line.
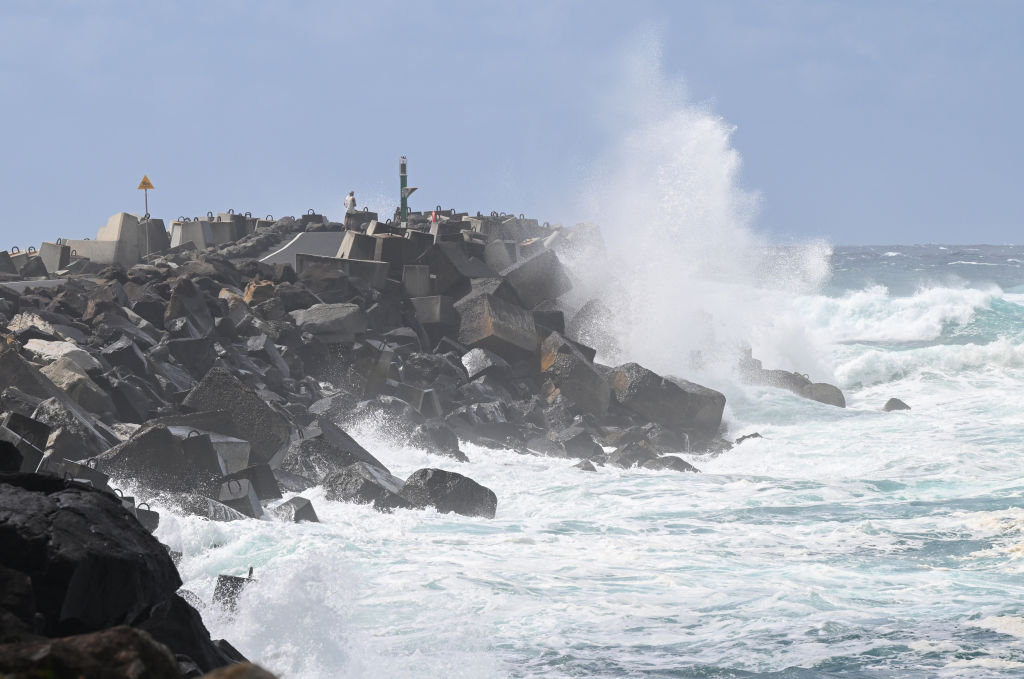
x=145 y=183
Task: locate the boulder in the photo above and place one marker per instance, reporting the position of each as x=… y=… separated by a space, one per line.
x=895 y=404
x=364 y=484
x=69 y=375
x=824 y=393
x=677 y=404
x=449 y=492
x=266 y=429
x=187 y=302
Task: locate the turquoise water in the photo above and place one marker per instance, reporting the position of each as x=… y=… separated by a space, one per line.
x=845 y=543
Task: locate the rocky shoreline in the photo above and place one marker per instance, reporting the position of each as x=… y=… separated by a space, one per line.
x=219 y=366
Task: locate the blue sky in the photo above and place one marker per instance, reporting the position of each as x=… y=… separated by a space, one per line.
x=865 y=122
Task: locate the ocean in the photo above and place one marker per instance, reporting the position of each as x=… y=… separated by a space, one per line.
x=843 y=543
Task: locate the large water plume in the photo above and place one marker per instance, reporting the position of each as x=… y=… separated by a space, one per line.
x=690 y=281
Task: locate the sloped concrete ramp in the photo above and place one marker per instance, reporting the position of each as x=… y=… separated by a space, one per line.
x=321 y=243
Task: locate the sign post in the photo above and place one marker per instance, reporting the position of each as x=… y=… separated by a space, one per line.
x=146 y=185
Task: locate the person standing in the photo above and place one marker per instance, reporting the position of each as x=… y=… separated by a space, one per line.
x=350 y=208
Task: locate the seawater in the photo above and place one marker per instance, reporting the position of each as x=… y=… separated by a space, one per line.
x=844 y=543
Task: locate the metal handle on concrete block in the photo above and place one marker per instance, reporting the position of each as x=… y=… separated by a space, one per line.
x=140 y=505
x=15 y=248
x=237 y=483
x=493 y=213
x=209 y=213
x=270 y=218
x=91 y=464
x=194 y=432
x=117 y=492
x=31 y=249
x=522 y=216
x=231 y=211
x=248 y=214
x=74 y=253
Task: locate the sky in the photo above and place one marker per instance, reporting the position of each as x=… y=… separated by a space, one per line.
x=855 y=122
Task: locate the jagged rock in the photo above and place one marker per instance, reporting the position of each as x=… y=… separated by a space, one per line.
x=676 y=404
x=633 y=454
x=126 y=354
x=480 y=362
x=265 y=428
x=68 y=374
x=449 y=492
x=895 y=404
x=364 y=484
x=240 y=671
x=585 y=465
x=187 y=302
x=47 y=352
x=755 y=435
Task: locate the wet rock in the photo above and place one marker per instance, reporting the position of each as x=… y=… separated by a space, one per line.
x=755 y=435
x=126 y=354
x=261 y=477
x=161 y=461
x=438 y=438
x=265 y=428
x=633 y=454
x=480 y=362
x=240 y=495
x=895 y=404
x=364 y=484
x=490 y=323
x=449 y=492
x=93 y=566
x=670 y=462
x=117 y=653
x=187 y=302
x=296 y=510
x=676 y=404
x=574 y=375
x=824 y=393
x=585 y=465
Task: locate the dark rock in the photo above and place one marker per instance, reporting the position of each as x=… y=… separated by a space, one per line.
x=117 y=653
x=670 y=462
x=161 y=461
x=449 y=492
x=93 y=566
x=585 y=465
x=261 y=476
x=893 y=404
x=187 y=302
x=632 y=455
x=364 y=484
x=824 y=393
x=676 y=404
x=574 y=375
x=265 y=428
x=126 y=354
x=240 y=495
x=755 y=435
x=490 y=323
x=333 y=323
x=480 y=362
x=438 y=438
x=295 y=510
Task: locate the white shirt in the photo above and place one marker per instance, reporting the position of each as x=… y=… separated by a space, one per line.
x=350 y=203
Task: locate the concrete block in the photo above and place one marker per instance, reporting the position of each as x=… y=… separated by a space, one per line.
x=449 y=492
x=295 y=510
x=355 y=245
x=538 y=279
x=574 y=375
x=6 y=265
x=197 y=232
x=423 y=400
x=240 y=495
x=490 y=323
x=373 y=273
x=453 y=270
x=228 y=589
x=436 y=310
x=499 y=255
x=416 y=280
x=55 y=256
x=266 y=429
x=676 y=404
